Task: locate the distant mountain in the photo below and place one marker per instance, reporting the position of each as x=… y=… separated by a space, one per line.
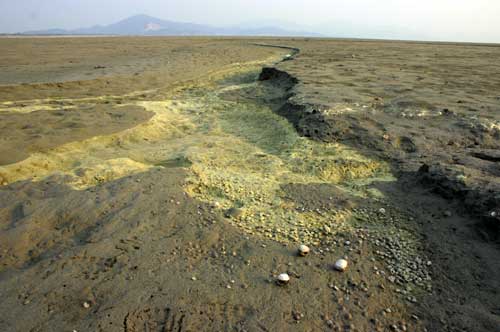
x=143 y=25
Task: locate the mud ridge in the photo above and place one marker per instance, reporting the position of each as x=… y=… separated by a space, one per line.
x=480 y=199
x=303 y=116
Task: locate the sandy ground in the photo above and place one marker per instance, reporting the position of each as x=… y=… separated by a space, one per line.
x=166 y=192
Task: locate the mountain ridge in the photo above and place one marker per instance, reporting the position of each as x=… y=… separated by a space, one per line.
x=145 y=25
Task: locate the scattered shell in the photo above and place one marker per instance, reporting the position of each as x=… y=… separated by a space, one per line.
x=283 y=279
x=341 y=265
x=304 y=250
x=86 y=305
x=381 y=211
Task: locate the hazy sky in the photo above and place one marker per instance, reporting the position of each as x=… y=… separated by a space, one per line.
x=466 y=20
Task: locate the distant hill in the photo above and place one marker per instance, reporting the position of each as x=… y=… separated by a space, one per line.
x=144 y=25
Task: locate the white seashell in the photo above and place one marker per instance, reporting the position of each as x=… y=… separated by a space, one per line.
x=381 y=211
x=283 y=279
x=86 y=305
x=304 y=250
x=341 y=265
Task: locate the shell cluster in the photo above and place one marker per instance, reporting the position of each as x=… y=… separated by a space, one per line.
x=303 y=250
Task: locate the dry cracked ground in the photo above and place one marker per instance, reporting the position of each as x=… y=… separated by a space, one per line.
x=162 y=184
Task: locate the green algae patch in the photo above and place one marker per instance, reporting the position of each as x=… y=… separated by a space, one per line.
x=250 y=154
x=239 y=154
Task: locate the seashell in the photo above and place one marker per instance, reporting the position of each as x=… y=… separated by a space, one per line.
x=303 y=250
x=381 y=211
x=283 y=279
x=86 y=305
x=341 y=265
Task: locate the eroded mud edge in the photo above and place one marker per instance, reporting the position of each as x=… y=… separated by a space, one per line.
x=480 y=202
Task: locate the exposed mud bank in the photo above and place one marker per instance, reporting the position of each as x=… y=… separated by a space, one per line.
x=470 y=177
x=306 y=118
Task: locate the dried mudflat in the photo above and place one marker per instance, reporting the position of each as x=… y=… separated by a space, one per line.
x=156 y=184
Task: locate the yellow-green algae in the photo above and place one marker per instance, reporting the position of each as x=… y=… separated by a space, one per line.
x=238 y=154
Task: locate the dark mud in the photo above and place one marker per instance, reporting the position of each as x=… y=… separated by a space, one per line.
x=167 y=262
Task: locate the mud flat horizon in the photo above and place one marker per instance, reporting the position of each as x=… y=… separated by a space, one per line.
x=163 y=184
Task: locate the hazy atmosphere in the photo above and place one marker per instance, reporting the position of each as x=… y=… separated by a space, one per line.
x=453 y=20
